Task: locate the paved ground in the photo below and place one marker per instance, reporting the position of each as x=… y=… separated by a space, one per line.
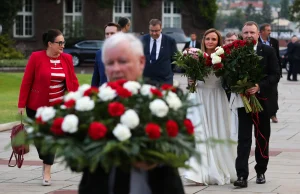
x=283 y=175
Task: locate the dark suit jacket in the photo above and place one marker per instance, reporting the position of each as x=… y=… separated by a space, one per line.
x=187 y=45
x=99 y=76
x=161 y=70
x=268 y=85
x=162 y=180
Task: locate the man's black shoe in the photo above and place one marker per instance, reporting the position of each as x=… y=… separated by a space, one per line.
x=241 y=182
x=260 y=179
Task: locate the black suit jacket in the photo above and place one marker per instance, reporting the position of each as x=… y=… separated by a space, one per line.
x=160 y=71
x=162 y=180
x=187 y=45
x=270 y=68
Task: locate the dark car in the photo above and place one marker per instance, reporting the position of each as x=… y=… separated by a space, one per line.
x=284 y=59
x=84 y=51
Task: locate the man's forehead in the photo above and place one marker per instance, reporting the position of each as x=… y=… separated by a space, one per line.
x=250 y=28
x=111 y=29
x=155 y=26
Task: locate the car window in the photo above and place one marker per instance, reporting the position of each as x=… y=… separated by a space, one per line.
x=88 y=44
x=100 y=44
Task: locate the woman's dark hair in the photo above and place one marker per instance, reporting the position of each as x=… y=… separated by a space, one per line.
x=123 y=21
x=50 y=36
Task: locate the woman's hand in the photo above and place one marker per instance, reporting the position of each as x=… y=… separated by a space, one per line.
x=21 y=111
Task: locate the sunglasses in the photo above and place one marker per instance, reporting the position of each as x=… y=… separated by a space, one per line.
x=60 y=43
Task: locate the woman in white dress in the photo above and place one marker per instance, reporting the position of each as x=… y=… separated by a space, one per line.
x=212 y=120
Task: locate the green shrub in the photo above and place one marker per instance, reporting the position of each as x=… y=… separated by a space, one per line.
x=7 y=50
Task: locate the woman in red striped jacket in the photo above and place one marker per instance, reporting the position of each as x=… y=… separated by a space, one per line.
x=48 y=75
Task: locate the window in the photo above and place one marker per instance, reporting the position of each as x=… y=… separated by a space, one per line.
x=73 y=18
x=23 y=26
x=122 y=8
x=171 y=16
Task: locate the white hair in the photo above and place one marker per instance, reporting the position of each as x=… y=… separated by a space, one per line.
x=134 y=44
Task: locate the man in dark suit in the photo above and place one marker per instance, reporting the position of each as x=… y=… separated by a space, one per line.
x=159 y=50
x=263 y=90
x=264 y=38
x=193 y=43
x=293 y=54
x=99 y=76
x=124 y=59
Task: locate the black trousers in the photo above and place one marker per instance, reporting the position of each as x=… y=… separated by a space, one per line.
x=245 y=141
x=46 y=158
x=293 y=69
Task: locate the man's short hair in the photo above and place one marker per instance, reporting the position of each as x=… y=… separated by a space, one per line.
x=263 y=26
x=154 y=22
x=113 y=24
x=123 y=21
x=229 y=34
x=251 y=23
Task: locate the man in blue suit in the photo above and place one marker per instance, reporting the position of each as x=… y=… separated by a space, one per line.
x=99 y=76
x=159 y=50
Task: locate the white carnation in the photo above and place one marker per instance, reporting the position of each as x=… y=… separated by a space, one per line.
x=132 y=86
x=85 y=104
x=145 y=90
x=48 y=113
x=70 y=123
x=122 y=132
x=216 y=60
x=39 y=111
x=173 y=101
x=72 y=95
x=219 y=50
x=159 y=108
x=29 y=129
x=176 y=83
x=83 y=88
x=107 y=93
x=130 y=119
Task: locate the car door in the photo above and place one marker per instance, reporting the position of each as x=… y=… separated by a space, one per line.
x=88 y=50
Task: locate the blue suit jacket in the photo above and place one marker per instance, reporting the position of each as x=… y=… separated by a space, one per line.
x=161 y=70
x=99 y=76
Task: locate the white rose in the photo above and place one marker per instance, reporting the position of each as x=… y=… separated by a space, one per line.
x=216 y=60
x=159 y=108
x=83 y=88
x=48 y=113
x=72 y=95
x=39 y=111
x=130 y=119
x=29 y=129
x=132 y=86
x=85 y=104
x=122 y=132
x=70 y=123
x=107 y=93
x=213 y=55
x=145 y=90
x=173 y=101
x=185 y=52
x=219 y=50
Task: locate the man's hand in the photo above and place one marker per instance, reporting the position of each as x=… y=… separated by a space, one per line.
x=253 y=90
x=144 y=165
x=21 y=111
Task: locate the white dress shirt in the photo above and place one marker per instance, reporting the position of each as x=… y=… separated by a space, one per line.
x=158 y=45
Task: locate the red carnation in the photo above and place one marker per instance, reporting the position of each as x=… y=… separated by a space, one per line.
x=189 y=126
x=70 y=103
x=121 y=82
x=56 y=126
x=116 y=109
x=152 y=130
x=172 y=128
x=168 y=87
x=57 y=102
x=156 y=92
x=39 y=120
x=113 y=85
x=97 y=130
x=90 y=91
x=218 y=66
x=123 y=93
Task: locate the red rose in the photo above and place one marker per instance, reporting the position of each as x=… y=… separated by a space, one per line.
x=227 y=51
x=172 y=128
x=39 y=120
x=70 y=103
x=222 y=56
x=218 y=66
x=56 y=126
x=243 y=43
x=168 y=87
x=254 y=42
x=90 y=91
x=152 y=130
x=116 y=109
x=123 y=93
x=189 y=126
x=236 y=45
x=156 y=92
x=97 y=130
x=208 y=62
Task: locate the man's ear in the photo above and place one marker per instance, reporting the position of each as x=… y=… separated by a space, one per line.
x=142 y=62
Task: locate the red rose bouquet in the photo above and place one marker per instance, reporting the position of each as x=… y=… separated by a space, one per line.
x=242 y=71
x=118 y=124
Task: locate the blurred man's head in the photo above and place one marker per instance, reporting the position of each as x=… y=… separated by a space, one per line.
x=155 y=28
x=250 y=31
x=110 y=29
x=125 y=24
x=193 y=36
x=265 y=31
x=123 y=57
x=294 y=39
x=230 y=37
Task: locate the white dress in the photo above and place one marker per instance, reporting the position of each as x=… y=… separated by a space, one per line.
x=212 y=119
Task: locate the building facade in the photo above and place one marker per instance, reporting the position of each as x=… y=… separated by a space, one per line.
x=85 y=19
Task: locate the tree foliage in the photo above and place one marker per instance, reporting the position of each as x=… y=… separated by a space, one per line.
x=266 y=15
x=295 y=11
x=284 y=12
x=8 y=12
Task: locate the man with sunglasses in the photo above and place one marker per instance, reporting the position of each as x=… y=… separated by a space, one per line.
x=159 y=50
